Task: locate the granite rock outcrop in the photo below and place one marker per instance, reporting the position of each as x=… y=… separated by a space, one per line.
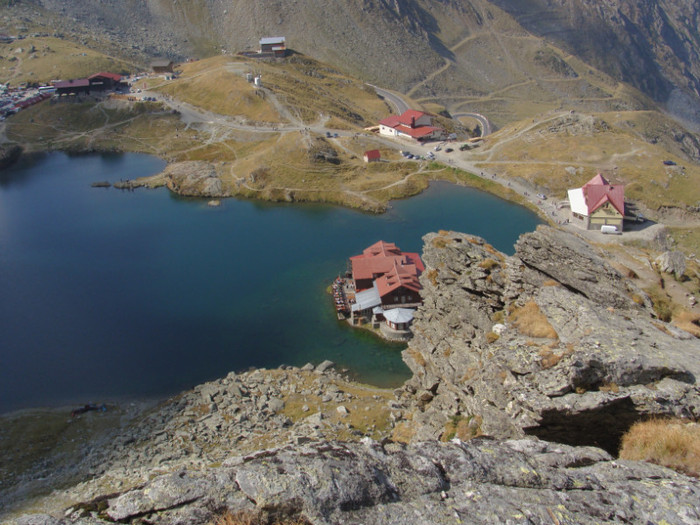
x=552 y=342
x=482 y=482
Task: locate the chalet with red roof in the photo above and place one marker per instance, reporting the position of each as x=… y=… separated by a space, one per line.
x=598 y=203
x=411 y=124
x=385 y=278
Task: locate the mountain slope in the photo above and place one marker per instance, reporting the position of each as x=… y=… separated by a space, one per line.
x=438 y=48
x=654 y=46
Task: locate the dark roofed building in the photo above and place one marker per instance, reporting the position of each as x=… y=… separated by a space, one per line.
x=104 y=81
x=162 y=65
x=76 y=86
x=275 y=45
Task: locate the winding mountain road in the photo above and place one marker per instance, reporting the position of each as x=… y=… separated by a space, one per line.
x=399 y=103
x=484 y=123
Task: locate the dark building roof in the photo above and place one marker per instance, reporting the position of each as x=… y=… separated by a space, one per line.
x=161 y=62
x=67 y=84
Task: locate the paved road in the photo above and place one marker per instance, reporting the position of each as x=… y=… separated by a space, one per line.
x=484 y=123
x=398 y=102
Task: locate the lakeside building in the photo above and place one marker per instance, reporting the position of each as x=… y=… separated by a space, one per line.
x=411 y=124
x=385 y=279
x=597 y=203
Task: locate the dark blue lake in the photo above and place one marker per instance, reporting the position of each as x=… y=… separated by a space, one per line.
x=109 y=295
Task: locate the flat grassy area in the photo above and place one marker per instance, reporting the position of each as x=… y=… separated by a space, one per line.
x=219 y=85
x=111 y=126
x=43 y=59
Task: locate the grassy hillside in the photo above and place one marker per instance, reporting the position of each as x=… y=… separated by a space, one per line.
x=304 y=89
x=565 y=150
x=42 y=59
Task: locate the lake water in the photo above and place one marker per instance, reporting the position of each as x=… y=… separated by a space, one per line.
x=109 y=295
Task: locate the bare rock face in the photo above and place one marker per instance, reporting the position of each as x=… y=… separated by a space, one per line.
x=483 y=481
x=194 y=179
x=577 y=358
x=671 y=262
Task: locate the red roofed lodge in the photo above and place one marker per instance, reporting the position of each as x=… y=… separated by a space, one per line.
x=411 y=124
x=598 y=203
x=383 y=278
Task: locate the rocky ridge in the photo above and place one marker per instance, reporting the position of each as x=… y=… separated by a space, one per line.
x=481 y=482
x=551 y=342
x=244 y=412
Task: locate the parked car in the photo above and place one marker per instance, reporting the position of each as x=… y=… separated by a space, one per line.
x=449 y=150
x=437 y=148
x=542 y=196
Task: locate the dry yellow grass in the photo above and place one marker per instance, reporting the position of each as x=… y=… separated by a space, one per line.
x=672 y=443
x=218 y=84
x=257 y=517
x=462 y=428
x=52 y=59
x=530 y=321
x=403 y=432
x=688 y=321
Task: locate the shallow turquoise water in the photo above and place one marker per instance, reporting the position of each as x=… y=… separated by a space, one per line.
x=107 y=294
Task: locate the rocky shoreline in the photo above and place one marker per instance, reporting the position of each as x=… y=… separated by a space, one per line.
x=525 y=368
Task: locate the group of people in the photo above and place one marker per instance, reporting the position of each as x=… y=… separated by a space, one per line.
x=341 y=300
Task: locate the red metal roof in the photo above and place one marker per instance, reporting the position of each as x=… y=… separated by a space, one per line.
x=408 y=117
x=598 y=180
x=113 y=76
x=373 y=154
x=406 y=124
x=391 y=121
x=398 y=276
x=63 y=84
x=416 y=133
x=598 y=191
x=383 y=258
